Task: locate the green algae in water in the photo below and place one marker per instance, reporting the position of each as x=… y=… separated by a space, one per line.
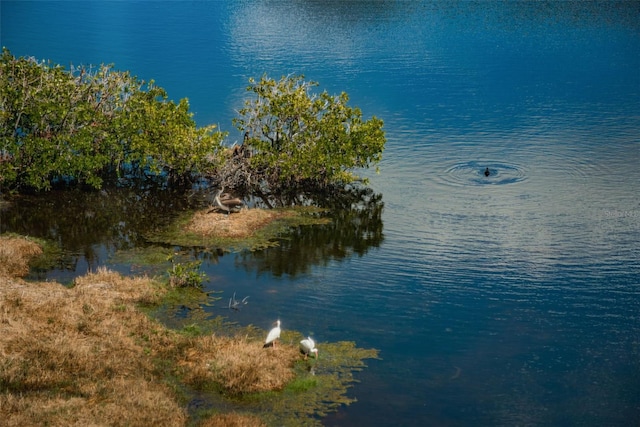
x=320 y=386
x=147 y=256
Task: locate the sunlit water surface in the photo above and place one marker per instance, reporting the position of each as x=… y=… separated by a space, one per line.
x=511 y=299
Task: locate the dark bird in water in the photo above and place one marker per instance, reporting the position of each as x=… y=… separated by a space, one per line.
x=487 y=172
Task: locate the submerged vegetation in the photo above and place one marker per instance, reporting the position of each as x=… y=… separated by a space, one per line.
x=101 y=360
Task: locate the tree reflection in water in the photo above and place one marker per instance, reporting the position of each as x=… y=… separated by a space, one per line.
x=356 y=226
x=91 y=226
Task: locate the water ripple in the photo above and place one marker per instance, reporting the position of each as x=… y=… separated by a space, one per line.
x=473 y=173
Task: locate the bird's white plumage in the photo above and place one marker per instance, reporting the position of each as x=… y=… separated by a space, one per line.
x=274 y=334
x=308 y=346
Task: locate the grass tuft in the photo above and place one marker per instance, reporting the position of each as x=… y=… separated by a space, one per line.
x=233 y=420
x=238 y=225
x=15 y=255
x=239 y=364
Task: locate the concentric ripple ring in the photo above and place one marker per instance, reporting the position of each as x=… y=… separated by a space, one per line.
x=473 y=173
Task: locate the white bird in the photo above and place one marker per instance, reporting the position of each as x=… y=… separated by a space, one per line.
x=273 y=336
x=308 y=346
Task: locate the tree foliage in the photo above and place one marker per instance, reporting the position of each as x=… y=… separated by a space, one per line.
x=88 y=125
x=298 y=142
x=85 y=125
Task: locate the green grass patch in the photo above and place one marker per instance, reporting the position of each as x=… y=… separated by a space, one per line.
x=147 y=256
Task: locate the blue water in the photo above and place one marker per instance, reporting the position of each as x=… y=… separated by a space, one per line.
x=507 y=300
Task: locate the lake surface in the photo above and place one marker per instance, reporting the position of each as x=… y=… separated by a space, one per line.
x=506 y=300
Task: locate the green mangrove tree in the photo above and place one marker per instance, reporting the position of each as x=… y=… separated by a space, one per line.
x=85 y=125
x=91 y=125
x=297 y=142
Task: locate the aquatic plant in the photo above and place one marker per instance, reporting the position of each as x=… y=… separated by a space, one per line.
x=185 y=275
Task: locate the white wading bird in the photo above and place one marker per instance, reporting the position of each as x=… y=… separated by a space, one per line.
x=308 y=346
x=273 y=336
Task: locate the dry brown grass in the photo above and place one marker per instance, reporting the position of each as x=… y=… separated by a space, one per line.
x=233 y=420
x=239 y=364
x=82 y=356
x=87 y=356
x=235 y=225
x=15 y=254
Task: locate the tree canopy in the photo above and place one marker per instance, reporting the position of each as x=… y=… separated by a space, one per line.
x=85 y=125
x=92 y=125
x=298 y=142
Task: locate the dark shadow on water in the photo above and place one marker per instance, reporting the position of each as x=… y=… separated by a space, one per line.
x=356 y=226
x=90 y=227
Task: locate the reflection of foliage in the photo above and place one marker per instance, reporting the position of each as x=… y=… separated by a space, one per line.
x=291 y=245
x=80 y=221
x=126 y=221
x=355 y=227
